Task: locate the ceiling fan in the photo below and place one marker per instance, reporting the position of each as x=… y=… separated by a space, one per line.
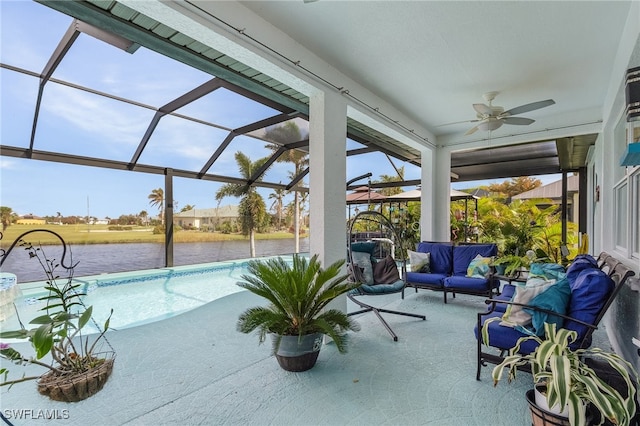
x=490 y=117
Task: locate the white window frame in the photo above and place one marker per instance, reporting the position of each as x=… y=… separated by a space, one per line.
x=630 y=183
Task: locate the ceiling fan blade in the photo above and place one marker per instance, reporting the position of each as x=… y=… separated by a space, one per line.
x=457 y=122
x=483 y=109
x=521 y=121
x=528 y=107
x=471 y=130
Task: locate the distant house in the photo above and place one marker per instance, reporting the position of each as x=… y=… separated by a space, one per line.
x=205 y=218
x=30 y=219
x=553 y=192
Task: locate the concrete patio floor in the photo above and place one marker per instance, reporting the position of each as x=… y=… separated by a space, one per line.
x=196 y=369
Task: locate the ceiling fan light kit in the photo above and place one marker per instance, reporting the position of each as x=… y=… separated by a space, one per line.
x=492 y=117
x=490 y=125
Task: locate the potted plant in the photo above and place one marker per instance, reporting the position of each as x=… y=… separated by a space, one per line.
x=297 y=316
x=568 y=382
x=515 y=265
x=76 y=369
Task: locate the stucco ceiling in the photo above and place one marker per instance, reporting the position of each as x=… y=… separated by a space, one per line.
x=433 y=59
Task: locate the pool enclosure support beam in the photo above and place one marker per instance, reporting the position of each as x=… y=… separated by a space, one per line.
x=168 y=217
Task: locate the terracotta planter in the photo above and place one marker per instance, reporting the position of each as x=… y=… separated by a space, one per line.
x=76 y=387
x=295 y=354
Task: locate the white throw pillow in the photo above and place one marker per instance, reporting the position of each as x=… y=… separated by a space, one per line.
x=419 y=262
x=363 y=260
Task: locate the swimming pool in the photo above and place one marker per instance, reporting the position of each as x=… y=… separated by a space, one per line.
x=141 y=297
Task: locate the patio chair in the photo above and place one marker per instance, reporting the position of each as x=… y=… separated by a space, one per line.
x=373 y=263
x=609 y=265
x=591 y=293
x=601 y=258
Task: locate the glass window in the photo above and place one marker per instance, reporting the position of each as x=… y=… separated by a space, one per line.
x=76 y=122
x=17 y=107
x=620 y=144
x=181 y=144
x=621 y=204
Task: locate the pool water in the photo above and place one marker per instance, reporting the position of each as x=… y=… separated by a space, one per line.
x=139 y=297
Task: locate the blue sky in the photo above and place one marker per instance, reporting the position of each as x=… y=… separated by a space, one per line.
x=81 y=123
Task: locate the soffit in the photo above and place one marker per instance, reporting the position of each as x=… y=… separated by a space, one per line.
x=531 y=159
x=432 y=60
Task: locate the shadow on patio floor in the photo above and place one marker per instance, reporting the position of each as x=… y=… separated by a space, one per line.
x=195 y=368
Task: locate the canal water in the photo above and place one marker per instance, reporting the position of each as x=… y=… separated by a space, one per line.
x=95 y=259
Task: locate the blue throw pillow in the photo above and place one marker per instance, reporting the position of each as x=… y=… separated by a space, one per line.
x=589 y=293
x=556 y=299
x=581 y=263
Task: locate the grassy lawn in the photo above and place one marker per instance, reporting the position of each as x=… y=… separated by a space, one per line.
x=100 y=234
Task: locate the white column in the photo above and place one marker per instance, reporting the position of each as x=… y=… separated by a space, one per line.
x=434 y=209
x=327 y=178
x=428 y=178
x=442 y=195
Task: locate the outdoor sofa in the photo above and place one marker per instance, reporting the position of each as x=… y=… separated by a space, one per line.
x=456 y=268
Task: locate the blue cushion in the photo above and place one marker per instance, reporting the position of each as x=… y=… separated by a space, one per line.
x=424 y=278
x=467 y=283
x=507 y=294
x=379 y=288
x=367 y=247
x=463 y=255
x=441 y=256
x=579 y=264
x=504 y=337
x=589 y=292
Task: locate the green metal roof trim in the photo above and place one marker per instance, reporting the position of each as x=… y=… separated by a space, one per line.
x=148 y=32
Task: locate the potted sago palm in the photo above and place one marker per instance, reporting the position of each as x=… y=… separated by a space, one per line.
x=297 y=316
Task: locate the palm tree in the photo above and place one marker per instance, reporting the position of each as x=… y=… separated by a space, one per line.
x=5 y=216
x=252 y=208
x=278 y=196
x=156 y=199
x=288 y=133
x=143 y=214
x=304 y=198
x=390 y=178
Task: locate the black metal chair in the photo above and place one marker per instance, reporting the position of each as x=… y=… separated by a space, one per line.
x=374 y=253
x=589 y=303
